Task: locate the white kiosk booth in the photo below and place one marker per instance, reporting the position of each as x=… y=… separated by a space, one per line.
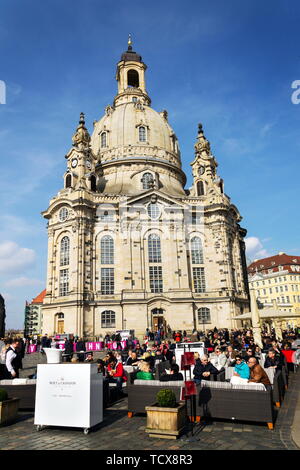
x=68 y=395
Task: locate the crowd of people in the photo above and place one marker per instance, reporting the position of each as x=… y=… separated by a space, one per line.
x=225 y=348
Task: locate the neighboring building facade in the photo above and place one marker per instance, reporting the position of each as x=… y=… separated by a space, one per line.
x=276 y=281
x=33 y=315
x=128 y=246
x=2 y=317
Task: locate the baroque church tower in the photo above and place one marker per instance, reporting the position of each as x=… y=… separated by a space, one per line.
x=128 y=246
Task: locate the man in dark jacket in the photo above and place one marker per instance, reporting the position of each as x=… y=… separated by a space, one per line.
x=203 y=370
x=273 y=360
x=80 y=346
x=68 y=349
x=174 y=374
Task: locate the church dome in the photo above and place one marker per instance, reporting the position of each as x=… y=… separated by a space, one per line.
x=138 y=126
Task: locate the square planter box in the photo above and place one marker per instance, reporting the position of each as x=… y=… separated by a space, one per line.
x=166 y=423
x=8 y=410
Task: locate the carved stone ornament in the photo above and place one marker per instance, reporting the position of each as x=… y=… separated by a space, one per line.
x=81 y=135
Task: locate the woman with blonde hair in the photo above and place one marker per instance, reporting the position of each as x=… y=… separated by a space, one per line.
x=144 y=372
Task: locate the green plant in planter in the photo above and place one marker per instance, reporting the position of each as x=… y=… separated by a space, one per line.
x=166 y=399
x=3 y=395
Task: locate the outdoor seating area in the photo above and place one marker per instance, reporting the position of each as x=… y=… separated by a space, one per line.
x=136 y=375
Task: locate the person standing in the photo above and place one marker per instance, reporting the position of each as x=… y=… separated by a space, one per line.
x=13 y=359
x=80 y=346
x=68 y=349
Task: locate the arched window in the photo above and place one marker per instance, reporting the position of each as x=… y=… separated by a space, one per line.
x=196 y=250
x=200 y=188
x=133 y=78
x=68 y=181
x=142 y=134
x=65 y=251
x=107 y=250
x=147 y=180
x=93 y=183
x=204 y=315
x=154 y=248
x=103 y=140
x=108 y=319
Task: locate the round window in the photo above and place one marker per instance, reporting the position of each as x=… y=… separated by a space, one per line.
x=153 y=211
x=63 y=214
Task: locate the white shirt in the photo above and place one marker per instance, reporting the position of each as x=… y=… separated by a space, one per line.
x=10 y=355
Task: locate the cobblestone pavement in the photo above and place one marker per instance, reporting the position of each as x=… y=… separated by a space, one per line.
x=118 y=432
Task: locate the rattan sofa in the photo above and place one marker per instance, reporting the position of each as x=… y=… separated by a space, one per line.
x=235 y=402
x=277 y=381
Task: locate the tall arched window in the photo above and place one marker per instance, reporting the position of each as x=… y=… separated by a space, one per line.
x=93 y=183
x=68 y=181
x=103 y=139
x=65 y=251
x=154 y=248
x=107 y=250
x=200 y=188
x=147 y=180
x=133 y=78
x=142 y=134
x=196 y=250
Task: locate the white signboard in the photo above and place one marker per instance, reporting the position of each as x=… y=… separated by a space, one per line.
x=68 y=395
x=188 y=347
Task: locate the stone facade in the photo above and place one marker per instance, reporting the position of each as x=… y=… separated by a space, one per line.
x=128 y=246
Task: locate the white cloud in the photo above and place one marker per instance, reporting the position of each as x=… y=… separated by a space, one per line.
x=255 y=249
x=15 y=259
x=23 y=282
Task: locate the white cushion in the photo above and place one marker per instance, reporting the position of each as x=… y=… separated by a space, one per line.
x=229 y=372
x=220 y=385
x=147 y=382
x=249 y=386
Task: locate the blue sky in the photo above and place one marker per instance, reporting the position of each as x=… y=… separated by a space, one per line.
x=228 y=64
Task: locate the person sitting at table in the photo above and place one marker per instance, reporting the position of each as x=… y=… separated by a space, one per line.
x=273 y=360
x=247 y=354
x=231 y=355
x=147 y=357
x=173 y=375
x=218 y=358
x=116 y=374
x=203 y=369
x=257 y=373
x=241 y=372
x=144 y=372
x=132 y=359
x=138 y=350
x=89 y=357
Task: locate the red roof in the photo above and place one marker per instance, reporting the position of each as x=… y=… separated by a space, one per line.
x=288 y=262
x=39 y=298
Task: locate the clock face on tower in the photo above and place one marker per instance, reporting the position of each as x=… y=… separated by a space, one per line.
x=201 y=170
x=74 y=162
x=88 y=164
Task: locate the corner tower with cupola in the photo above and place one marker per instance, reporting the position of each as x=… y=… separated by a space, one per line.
x=129 y=247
